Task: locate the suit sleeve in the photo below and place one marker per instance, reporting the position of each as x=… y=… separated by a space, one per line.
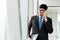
x=48 y=25
x=29 y=27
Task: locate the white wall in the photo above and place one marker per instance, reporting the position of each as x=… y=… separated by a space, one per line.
x=12 y=22
x=50 y=2
x=3 y=14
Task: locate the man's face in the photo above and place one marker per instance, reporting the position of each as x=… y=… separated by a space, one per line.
x=41 y=11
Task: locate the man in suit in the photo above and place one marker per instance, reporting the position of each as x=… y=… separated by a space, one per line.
x=41 y=24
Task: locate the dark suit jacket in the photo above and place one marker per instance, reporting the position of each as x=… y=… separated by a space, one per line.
x=43 y=32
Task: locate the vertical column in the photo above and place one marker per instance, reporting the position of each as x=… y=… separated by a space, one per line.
x=36 y=4
x=3 y=14
x=20 y=19
x=31 y=8
x=24 y=12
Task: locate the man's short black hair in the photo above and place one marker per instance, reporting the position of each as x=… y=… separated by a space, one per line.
x=44 y=6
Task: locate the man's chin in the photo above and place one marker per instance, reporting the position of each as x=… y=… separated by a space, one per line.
x=41 y=15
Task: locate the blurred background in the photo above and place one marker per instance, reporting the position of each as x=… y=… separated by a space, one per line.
x=15 y=15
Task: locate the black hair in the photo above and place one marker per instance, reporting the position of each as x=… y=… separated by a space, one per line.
x=44 y=6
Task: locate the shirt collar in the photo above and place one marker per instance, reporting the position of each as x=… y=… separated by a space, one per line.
x=40 y=16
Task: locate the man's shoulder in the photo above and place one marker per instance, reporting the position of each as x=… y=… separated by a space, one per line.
x=34 y=16
x=49 y=18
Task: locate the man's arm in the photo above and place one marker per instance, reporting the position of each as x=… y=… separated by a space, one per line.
x=48 y=25
x=29 y=27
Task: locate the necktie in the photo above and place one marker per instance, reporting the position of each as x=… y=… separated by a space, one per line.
x=40 y=22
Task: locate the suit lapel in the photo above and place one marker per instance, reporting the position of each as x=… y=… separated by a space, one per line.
x=37 y=21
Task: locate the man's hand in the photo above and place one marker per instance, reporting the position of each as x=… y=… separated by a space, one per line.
x=45 y=16
x=29 y=39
